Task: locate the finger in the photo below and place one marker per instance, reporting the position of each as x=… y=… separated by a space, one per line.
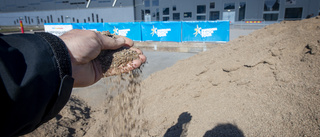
x=141 y=56
x=129 y=67
x=128 y=42
x=110 y=43
x=114 y=43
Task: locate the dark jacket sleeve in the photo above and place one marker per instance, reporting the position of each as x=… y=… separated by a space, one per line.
x=35 y=81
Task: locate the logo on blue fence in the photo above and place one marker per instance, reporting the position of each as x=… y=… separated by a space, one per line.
x=204 y=32
x=159 y=32
x=122 y=32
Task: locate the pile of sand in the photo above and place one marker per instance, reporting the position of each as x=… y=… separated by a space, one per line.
x=263 y=84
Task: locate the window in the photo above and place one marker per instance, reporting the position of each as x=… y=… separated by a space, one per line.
x=147 y=3
x=201 y=17
x=176 y=16
x=76 y=3
x=201 y=9
x=212 y=5
x=165 y=11
x=73 y=20
x=102 y=20
x=174 y=8
x=214 y=15
x=51 y=18
x=271 y=5
x=92 y=17
x=157 y=14
x=270 y=17
x=48 y=19
x=165 y=18
x=293 y=13
x=97 y=16
x=147 y=11
x=142 y=15
x=62 y=19
x=77 y=20
x=187 y=15
x=84 y=20
x=155 y=2
x=242 y=11
x=229 y=6
x=88 y=19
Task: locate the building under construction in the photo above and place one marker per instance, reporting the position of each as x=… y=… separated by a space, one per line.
x=36 y=12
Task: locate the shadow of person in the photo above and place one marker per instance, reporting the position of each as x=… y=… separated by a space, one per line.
x=224 y=130
x=180 y=129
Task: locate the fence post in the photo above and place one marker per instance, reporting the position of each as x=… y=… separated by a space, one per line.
x=21 y=26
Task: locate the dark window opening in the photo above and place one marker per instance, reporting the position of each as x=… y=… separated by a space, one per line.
x=229 y=6
x=242 y=11
x=92 y=17
x=270 y=17
x=76 y=3
x=88 y=19
x=212 y=5
x=62 y=19
x=147 y=11
x=165 y=11
x=97 y=16
x=77 y=20
x=293 y=13
x=157 y=15
x=174 y=8
x=51 y=18
x=201 y=9
x=187 y=15
x=142 y=15
x=101 y=20
x=165 y=18
x=271 y=5
x=84 y=20
x=73 y=20
x=201 y=17
x=176 y=16
x=214 y=15
x=48 y=19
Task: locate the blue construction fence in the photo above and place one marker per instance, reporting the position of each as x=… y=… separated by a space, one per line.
x=176 y=31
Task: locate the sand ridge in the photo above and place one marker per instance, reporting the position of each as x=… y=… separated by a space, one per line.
x=263 y=84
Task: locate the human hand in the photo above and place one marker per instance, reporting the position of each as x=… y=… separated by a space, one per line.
x=85 y=45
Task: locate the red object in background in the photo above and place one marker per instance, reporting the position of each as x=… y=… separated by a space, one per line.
x=21 y=25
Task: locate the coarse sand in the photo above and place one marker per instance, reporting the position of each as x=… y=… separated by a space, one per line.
x=263 y=84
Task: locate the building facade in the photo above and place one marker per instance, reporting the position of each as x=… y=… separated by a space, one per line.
x=37 y=12
x=233 y=10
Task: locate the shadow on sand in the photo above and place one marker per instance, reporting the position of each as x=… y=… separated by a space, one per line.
x=224 y=130
x=180 y=129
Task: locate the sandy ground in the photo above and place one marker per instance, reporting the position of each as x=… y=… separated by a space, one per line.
x=263 y=84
